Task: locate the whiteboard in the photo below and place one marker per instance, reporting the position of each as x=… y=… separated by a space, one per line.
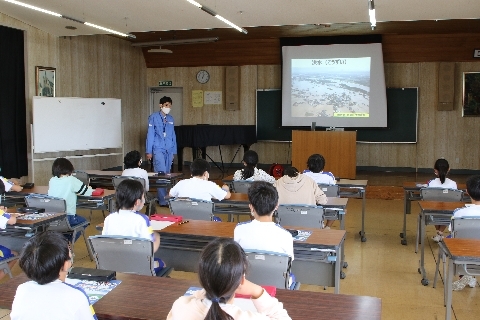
x=68 y=124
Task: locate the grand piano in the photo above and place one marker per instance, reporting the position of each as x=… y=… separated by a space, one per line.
x=203 y=136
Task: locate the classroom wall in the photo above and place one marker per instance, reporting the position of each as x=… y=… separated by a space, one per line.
x=440 y=133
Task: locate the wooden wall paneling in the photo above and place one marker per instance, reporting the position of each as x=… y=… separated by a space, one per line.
x=273 y=152
x=401 y=75
x=446 y=86
x=269 y=77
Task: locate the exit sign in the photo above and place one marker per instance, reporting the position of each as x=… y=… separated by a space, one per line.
x=164 y=83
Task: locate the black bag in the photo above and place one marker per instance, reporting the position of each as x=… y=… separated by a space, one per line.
x=92 y=274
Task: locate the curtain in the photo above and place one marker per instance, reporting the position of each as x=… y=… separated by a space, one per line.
x=13 y=127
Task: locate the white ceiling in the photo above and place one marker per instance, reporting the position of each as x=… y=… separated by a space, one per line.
x=158 y=15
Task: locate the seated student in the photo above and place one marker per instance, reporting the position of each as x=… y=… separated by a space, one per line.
x=262 y=233
x=316 y=163
x=133 y=161
x=65 y=186
x=198 y=187
x=473 y=189
x=46 y=259
x=441 y=169
x=221 y=271
x=6 y=218
x=129 y=221
x=10 y=185
x=250 y=172
x=296 y=188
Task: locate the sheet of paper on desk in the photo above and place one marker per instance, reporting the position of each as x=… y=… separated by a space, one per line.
x=422 y=185
x=94 y=290
x=469 y=204
x=159 y=225
x=302 y=235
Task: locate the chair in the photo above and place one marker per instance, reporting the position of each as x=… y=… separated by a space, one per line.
x=150 y=202
x=271 y=269
x=436 y=194
x=299 y=215
x=57 y=205
x=192 y=209
x=241 y=186
x=125 y=254
x=330 y=190
x=4 y=265
x=466 y=228
x=84 y=177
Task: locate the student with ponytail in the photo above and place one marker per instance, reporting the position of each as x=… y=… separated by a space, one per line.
x=441 y=169
x=221 y=272
x=250 y=172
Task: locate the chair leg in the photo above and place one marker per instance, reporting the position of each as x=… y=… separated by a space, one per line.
x=89 y=249
x=418 y=234
x=90 y=215
x=437 y=267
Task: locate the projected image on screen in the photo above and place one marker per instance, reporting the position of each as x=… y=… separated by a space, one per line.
x=337 y=87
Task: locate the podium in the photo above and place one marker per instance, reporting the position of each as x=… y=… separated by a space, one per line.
x=337 y=147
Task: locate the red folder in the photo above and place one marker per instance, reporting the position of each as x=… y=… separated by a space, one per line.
x=97 y=192
x=161 y=217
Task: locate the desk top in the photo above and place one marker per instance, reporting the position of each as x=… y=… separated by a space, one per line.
x=439 y=206
x=469 y=249
x=242 y=198
x=44 y=191
x=342 y=182
x=35 y=223
x=412 y=185
x=143 y=297
x=324 y=237
x=151 y=175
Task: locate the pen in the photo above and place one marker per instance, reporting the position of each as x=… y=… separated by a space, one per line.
x=183 y=222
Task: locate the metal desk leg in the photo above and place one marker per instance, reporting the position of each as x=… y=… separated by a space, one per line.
x=338 y=268
x=448 y=284
x=421 y=269
x=341 y=217
x=362 y=232
x=406 y=208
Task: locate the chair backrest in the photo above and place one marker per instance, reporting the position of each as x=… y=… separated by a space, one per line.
x=241 y=186
x=297 y=215
x=192 y=209
x=123 y=254
x=50 y=204
x=440 y=194
x=330 y=190
x=82 y=176
x=466 y=227
x=268 y=268
x=117 y=179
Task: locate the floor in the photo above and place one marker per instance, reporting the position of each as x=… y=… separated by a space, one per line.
x=380 y=267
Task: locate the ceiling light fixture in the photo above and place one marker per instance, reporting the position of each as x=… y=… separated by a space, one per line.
x=175 y=42
x=159 y=50
x=219 y=17
x=371 y=14
x=69 y=18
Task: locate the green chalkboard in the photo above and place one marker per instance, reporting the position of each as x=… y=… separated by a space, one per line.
x=402 y=104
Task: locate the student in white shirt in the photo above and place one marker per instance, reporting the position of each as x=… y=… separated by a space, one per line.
x=441 y=169
x=198 y=186
x=473 y=189
x=221 y=272
x=46 y=259
x=133 y=162
x=250 y=172
x=10 y=185
x=6 y=218
x=262 y=233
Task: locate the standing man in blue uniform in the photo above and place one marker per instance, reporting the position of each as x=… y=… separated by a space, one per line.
x=161 y=142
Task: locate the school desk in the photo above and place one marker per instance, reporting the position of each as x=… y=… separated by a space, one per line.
x=438 y=208
x=411 y=192
x=142 y=297
x=459 y=251
x=103 y=179
x=14 y=236
x=315 y=259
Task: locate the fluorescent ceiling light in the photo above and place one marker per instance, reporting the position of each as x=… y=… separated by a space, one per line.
x=219 y=17
x=159 y=50
x=34 y=8
x=371 y=14
x=70 y=18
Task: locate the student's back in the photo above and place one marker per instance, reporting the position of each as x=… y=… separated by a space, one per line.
x=316 y=164
x=295 y=188
x=133 y=161
x=441 y=169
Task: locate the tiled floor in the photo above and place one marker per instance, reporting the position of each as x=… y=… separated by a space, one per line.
x=380 y=267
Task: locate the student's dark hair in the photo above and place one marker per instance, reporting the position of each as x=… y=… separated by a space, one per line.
x=292 y=172
x=316 y=163
x=43 y=256
x=132 y=159
x=473 y=187
x=165 y=99
x=251 y=159
x=220 y=270
x=199 y=166
x=2 y=187
x=263 y=196
x=442 y=166
x=61 y=166
x=128 y=191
